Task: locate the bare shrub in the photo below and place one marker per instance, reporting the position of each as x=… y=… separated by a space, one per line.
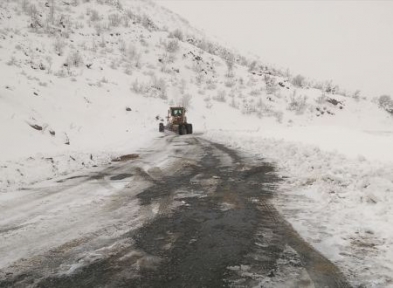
x=143 y=41
x=131 y=52
x=51 y=15
x=197 y=67
x=241 y=82
x=234 y=104
x=261 y=105
x=201 y=44
x=159 y=84
x=210 y=84
x=201 y=92
x=252 y=66
x=102 y=43
x=318 y=85
x=61 y=73
x=278 y=95
x=32 y=11
x=114 y=20
x=298 y=81
x=172 y=46
x=199 y=78
x=126 y=21
x=102 y=81
x=118 y=5
x=386 y=103
x=98 y=28
x=322 y=98
x=356 y=95
x=230 y=83
x=130 y=15
x=328 y=86
x=230 y=61
x=255 y=92
x=271 y=85
x=59 y=46
x=25 y=6
x=114 y=65
x=243 y=61
x=208 y=103
x=248 y=108
x=251 y=82
x=164 y=60
x=297 y=103
x=206 y=46
x=122 y=46
x=221 y=96
x=279 y=115
x=240 y=95
x=147 y=23
x=74 y=59
x=211 y=48
x=336 y=90
x=128 y=69
x=177 y=34
x=139 y=88
x=12 y=61
x=49 y=62
x=94 y=15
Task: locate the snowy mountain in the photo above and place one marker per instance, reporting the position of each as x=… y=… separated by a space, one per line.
x=84 y=81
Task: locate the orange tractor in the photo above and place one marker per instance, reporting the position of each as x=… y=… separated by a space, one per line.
x=177 y=121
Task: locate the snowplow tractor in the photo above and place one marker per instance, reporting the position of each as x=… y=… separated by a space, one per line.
x=177 y=121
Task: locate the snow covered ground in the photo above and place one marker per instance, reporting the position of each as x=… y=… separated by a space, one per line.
x=93 y=82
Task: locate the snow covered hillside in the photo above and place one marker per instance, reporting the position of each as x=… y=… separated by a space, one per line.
x=84 y=81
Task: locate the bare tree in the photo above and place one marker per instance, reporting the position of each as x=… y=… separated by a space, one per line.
x=51 y=16
x=34 y=16
x=298 y=81
x=252 y=66
x=230 y=61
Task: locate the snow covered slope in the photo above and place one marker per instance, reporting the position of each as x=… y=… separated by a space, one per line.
x=84 y=81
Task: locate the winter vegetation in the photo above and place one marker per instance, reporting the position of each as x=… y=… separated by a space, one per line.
x=84 y=81
x=386 y=103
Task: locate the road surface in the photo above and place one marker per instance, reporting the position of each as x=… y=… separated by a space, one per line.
x=185 y=213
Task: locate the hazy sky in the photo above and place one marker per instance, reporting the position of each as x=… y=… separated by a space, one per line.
x=349 y=42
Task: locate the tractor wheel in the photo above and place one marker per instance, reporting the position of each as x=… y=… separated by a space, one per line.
x=161 y=127
x=189 y=128
x=182 y=130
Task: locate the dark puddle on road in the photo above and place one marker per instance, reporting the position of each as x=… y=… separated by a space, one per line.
x=121 y=176
x=127 y=157
x=6 y=230
x=71 y=178
x=98 y=176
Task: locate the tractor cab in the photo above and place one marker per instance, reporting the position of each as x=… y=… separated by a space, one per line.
x=176 y=115
x=177 y=111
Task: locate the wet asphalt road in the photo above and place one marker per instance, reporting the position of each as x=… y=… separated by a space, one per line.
x=214 y=227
